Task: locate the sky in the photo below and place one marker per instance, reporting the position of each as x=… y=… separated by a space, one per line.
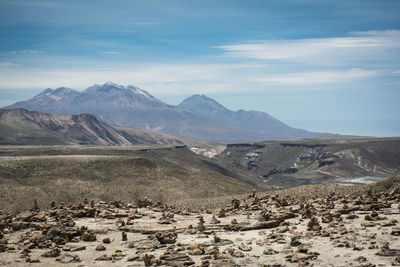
x=328 y=66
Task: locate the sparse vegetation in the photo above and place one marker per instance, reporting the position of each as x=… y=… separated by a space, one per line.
x=70 y=174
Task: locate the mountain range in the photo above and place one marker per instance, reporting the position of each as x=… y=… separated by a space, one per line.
x=196 y=117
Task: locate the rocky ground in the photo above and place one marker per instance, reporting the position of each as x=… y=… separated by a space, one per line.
x=333 y=229
x=284 y=164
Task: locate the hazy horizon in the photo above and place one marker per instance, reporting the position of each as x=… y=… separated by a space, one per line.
x=324 y=67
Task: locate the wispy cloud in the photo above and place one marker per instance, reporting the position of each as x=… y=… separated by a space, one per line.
x=24 y=52
x=367 y=43
x=110 y=53
x=158 y=78
x=8 y=65
x=319 y=77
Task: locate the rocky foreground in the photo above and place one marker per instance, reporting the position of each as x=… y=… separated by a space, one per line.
x=334 y=229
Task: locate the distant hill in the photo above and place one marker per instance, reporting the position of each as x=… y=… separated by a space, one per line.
x=319 y=160
x=197 y=117
x=23 y=127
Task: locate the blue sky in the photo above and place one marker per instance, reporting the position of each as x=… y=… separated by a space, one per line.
x=331 y=66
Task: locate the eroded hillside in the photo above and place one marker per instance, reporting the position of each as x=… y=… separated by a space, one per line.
x=283 y=163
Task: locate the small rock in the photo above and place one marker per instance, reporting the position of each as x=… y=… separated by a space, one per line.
x=302 y=249
x=220 y=213
x=269 y=251
x=214 y=220
x=52 y=253
x=223 y=263
x=327 y=218
x=395 y=231
x=100 y=247
x=198 y=251
x=300 y=257
x=200 y=225
x=133 y=258
x=313 y=224
x=351 y=216
x=235 y=203
x=124 y=236
x=244 y=247
x=144 y=203
x=79 y=248
x=89 y=236
x=166 y=237
x=103 y=258
x=148 y=260
x=238 y=254
x=16 y=226
x=325 y=234
x=361 y=259
x=35 y=205
x=295 y=241
x=386 y=251
x=32 y=260
x=68 y=258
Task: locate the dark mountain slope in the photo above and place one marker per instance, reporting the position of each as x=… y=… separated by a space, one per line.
x=22 y=127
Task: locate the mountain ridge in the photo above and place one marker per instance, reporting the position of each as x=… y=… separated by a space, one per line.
x=23 y=127
x=202 y=104
x=196 y=117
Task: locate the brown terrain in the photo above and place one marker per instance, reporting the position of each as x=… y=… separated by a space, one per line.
x=171 y=174
x=314 y=225
x=23 y=127
x=282 y=164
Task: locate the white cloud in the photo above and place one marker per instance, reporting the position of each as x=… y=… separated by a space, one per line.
x=319 y=77
x=8 y=65
x=367 y=44
x=25 y=52
x=157 y=78
x=110 y=53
